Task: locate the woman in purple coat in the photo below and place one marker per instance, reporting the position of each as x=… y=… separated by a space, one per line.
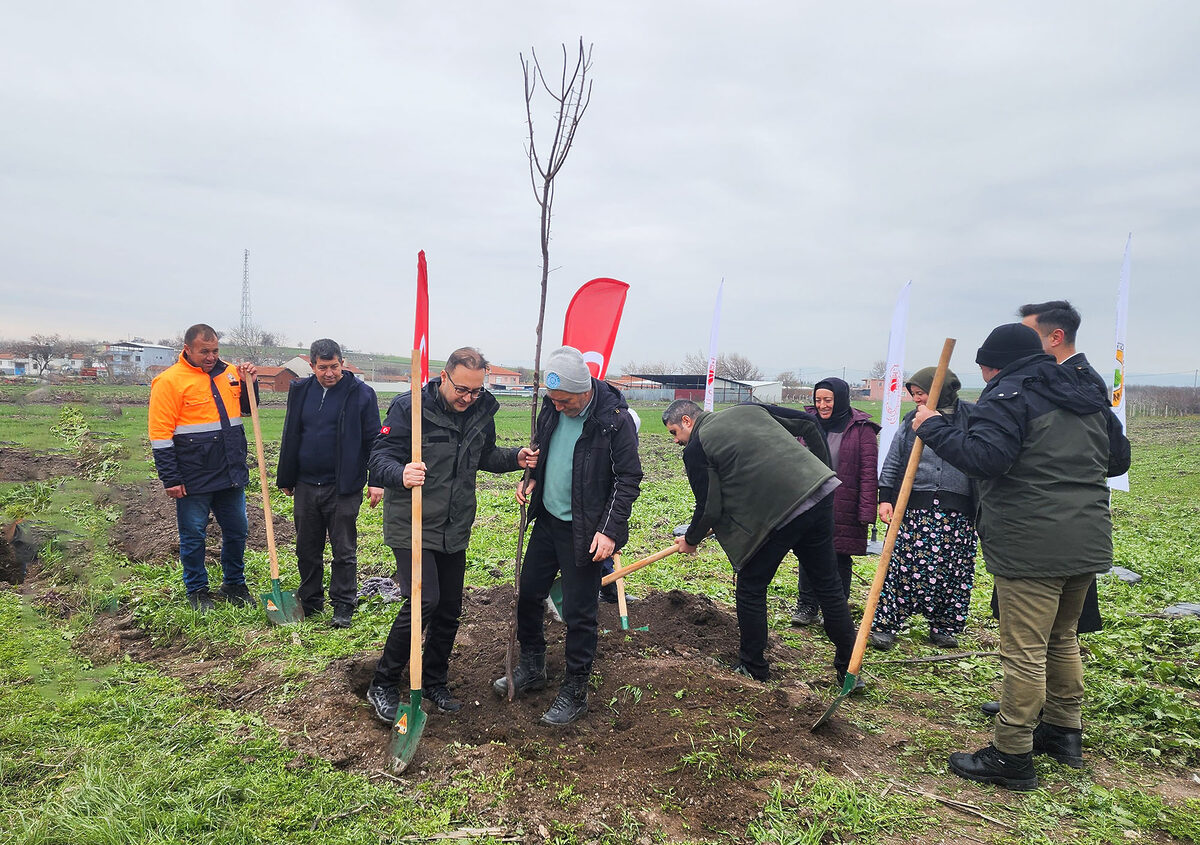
x=854 y=452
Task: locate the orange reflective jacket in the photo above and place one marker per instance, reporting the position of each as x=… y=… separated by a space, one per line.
x=196 y=428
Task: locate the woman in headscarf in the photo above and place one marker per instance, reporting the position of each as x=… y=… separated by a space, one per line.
x=932 y=568
x=854 y=453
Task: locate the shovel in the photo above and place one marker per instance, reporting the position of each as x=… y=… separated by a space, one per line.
x=282 y=606
x=889 y=543
x=622 y=605
x=621 y=571
x=410 y=718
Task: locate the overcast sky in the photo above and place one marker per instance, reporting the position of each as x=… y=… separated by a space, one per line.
x=815 y=156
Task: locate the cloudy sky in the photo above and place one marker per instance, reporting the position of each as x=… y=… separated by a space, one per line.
x=815 y=156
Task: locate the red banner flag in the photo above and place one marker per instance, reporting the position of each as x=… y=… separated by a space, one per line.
x=421 y=334
x=592 y=320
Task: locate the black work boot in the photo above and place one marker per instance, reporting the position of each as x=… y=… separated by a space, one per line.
x=805 y=614
x=990 y=708
x=201 y=600
x=987 y=765
x=529 y=674
x=343 y=615
x=571 y=703
x=1062 y=744
x=238 y=595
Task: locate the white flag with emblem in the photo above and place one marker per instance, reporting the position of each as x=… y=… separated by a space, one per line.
x=893 y=376
x=711 y=376
x=1121 y=482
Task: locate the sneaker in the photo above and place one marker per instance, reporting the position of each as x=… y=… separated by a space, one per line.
x=944 y=640
x=385 y=701
x=342 y=615
x=988 y=765
x=805 y=614
x=608 y=593
x=442 y=699
x=745 y=671
x=237 y=595
x=881 y=640
x=201 y=600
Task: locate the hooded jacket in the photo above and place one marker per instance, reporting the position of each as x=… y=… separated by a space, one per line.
x=606 y=472
x=1038 y=442
x=453 y=447
x=357 y=428
x=195 y=427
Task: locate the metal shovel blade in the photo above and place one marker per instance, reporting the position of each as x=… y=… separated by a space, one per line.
x=406 y=732
x=847 y=688
x=556 y=599
x=282 y=606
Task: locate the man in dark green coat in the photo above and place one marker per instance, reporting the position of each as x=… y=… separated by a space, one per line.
x=1039 y=443
x=762 y=494
x=458 y=438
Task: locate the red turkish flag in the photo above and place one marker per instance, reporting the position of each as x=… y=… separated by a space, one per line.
x=421 y=334
x=592 y=320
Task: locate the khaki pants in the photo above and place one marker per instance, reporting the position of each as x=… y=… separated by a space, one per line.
x=1039 y=651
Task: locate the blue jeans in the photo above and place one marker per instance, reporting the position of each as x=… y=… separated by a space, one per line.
x=191 y=514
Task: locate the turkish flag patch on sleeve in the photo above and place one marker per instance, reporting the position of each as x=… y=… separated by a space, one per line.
x=387 y=429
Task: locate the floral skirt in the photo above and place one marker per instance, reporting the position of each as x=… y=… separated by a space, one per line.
x=931 y=572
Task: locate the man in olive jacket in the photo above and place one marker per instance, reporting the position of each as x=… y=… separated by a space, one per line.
x=762 y=494
x=458 y=438
x=1038 y=442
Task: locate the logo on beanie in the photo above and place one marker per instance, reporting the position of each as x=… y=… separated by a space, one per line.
x=553 y=381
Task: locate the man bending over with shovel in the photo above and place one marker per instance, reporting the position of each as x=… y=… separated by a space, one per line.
x=762 y=494
x=458 y=440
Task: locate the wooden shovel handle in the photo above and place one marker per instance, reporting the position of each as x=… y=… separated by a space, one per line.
x=622 y=571
x=889 y=542
x=622 y=604
x=414 y=653
x=262 y=480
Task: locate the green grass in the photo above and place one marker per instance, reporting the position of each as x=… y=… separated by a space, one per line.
x=125 y=754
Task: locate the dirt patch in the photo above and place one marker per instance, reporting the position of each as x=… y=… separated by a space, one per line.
x=147 y=530
x=17 y=465
x=672 y=738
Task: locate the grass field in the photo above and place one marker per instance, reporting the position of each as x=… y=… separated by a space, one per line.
x=130 y=751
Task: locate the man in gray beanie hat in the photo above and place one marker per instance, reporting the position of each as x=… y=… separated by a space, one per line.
x=1038 y=444
x=580 y=496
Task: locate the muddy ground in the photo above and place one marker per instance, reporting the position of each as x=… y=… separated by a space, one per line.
x=660 y=698
x=146 y=530
x=21 y=465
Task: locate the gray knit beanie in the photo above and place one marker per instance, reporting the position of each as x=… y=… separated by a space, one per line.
x=566 y=370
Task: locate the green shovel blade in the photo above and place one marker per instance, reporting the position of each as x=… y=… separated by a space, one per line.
x=282 y=606
x=847 y=688
x=406 y=732
x=556 y=596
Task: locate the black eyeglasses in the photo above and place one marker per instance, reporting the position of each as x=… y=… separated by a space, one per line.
x=464 y=391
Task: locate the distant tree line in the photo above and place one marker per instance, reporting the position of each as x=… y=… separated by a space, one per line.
x=1147 y=400
x=731 y=365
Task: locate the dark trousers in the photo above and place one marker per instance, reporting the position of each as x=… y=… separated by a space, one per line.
x=319 y=513
x=807 y=597
x=441 y=606
x=810 y=536
x=550 y=552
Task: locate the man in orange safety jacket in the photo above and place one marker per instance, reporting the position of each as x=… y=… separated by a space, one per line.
x=199 y=445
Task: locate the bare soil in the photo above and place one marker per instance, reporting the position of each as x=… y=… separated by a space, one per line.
x=147 y=531
x=20 y=465
x=673 y=739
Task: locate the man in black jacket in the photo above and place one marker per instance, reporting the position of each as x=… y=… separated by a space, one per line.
x=458 y=438
x=331 y=423
x=1038 y=442
x=581 y=496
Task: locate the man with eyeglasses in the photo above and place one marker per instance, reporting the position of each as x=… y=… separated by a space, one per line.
x=458 y=439
x=581 y=495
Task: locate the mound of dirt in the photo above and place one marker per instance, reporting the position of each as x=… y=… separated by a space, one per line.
x=672 y=738
x=24 y=465
x=147 y=530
